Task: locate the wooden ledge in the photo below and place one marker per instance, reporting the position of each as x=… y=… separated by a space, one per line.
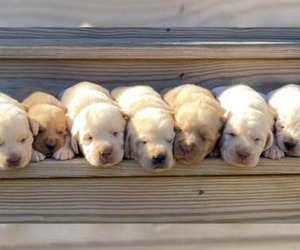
x=78 y=168
x=149 y=43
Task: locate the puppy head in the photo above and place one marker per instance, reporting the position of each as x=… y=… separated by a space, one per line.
x=52 y=128
x=15 y=137
x=288 y=133
x=99 y=131
x=149 y=139
x=197 y=131
x=244 y=138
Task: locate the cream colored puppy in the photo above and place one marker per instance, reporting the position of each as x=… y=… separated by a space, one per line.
x=50 y=113
x=150 y=131
x=199 y=118
x=286 y=103
x=96 y=124
x=248 y=130
x=16 y=134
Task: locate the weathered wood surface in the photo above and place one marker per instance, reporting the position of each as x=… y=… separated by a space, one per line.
x=117 y=13
x=56 y=75
x=72 y=191
x=138 y=61
x=161 y=199
x=147 y=236
x=155 y=43
x=129 y=168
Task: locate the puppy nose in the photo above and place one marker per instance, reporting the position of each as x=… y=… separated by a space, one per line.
x=50 y=146
x=186 y=148
x=13 y=161
x=289 y=145
x=104 y=154
x=158 y=159
x=242 y=154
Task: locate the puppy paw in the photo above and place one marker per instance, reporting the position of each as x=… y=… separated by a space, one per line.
x=273 y=153
x=215 y=153
x=36 y=156
x=64 y=153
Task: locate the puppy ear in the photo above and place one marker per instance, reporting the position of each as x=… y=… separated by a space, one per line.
x=225 y=116
x=270 y=140
x=74 y=143
x=273 y=112
x=23 y=107
x=34 y=126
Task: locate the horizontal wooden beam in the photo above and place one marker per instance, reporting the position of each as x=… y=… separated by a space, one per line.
x=113 y=236
x=210 y=167
x=149 y=43
x=164 y=199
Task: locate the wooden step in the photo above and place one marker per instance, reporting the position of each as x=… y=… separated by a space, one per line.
x=213 y=191
x=151 y=43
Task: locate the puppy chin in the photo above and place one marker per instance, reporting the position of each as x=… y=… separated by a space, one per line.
x=22 y=164
x=189 y=158
x=95 y=161
x=236 y=161
x=148 y=165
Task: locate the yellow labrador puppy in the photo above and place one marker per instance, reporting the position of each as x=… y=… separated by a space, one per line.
x=199 y=118
x=50 y=113
x=16 y=134
x=96 y=124
x=286 y=103
x=248 y=130
x=150 y=131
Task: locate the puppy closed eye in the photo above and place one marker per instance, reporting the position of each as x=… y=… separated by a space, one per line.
x=23 y=139
x=170 y=140
x=142 y=142
x=280 y=125
x=60 y=132
x=257 y=139
x=204 y=137
x=230 y=134
x=88 y=138
x=115 y=133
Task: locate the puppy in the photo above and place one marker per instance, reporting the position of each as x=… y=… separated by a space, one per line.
x=50 y=114
x=286 y=103
x=16 y=134
x=248 y=130
x=96 y=124
x=150 y=130
x=199 y=118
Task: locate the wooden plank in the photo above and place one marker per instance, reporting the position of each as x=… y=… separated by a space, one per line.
x=145 y=235
x=267 y=245
x=163 y=199
x=117 y=13
x=160 y=51
x=56 y=75
x=202 y=44
x=147 y=34
x=210 y=167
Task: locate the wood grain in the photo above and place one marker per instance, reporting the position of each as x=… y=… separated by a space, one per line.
x=56 y=75
x=164 y=236
x=267 y=245
x=71 y=191
x=210 y=167
x=150 y=44
x=162 y=199
x=116 y=13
